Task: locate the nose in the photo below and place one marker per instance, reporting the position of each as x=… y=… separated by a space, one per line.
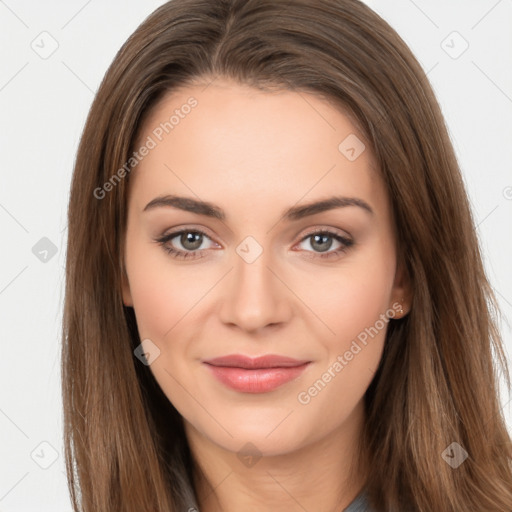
x=255 y=296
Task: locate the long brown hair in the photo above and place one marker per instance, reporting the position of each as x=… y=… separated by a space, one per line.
x=437 y=382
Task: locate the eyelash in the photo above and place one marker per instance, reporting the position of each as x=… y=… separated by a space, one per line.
x=175 y=253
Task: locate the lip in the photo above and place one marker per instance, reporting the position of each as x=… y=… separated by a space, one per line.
x=255 y=375
x=266 y=361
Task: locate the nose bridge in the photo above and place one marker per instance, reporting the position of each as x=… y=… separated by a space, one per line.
x=255 y=297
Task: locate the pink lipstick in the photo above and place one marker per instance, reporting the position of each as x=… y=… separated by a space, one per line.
x=255 y=375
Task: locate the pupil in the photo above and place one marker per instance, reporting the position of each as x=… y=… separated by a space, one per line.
x=324 y=239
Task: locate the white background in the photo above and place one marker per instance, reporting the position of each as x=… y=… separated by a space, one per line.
x=43 y=106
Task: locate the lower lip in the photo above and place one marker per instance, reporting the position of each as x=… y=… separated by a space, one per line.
x=255 y=381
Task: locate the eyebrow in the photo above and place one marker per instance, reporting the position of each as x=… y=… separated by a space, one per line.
x=293 y=213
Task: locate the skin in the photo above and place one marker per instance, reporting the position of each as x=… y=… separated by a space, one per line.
x=254 y=154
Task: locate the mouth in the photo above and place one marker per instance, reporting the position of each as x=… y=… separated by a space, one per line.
x=255 y=375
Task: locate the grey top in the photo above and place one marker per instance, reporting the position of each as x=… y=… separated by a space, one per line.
x=360 y=504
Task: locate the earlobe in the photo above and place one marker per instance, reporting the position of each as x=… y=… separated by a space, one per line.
x=400 y=307
x=401 y=296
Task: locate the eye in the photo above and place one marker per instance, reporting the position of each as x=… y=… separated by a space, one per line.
x=190 y=239
x=322 y=240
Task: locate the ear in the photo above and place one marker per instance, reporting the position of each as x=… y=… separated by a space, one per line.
x=401 y=293
x=125 y=288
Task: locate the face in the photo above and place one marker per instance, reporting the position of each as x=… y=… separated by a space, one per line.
x=255 y=272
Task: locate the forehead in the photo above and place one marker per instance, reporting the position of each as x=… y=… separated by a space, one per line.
x=232 y=140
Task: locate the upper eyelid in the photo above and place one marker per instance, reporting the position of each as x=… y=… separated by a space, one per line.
x=333 y=231
x=174 y=234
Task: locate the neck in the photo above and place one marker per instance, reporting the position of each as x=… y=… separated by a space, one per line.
x=325 y=476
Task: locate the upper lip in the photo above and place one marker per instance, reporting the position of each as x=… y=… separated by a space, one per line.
x=267 y=361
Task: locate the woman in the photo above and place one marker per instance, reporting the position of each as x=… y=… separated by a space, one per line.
x=275 y=297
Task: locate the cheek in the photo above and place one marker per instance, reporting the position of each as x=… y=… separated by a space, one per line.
x=354 y=296
x=352 y=302
x=352 y=309
x=162 y=292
